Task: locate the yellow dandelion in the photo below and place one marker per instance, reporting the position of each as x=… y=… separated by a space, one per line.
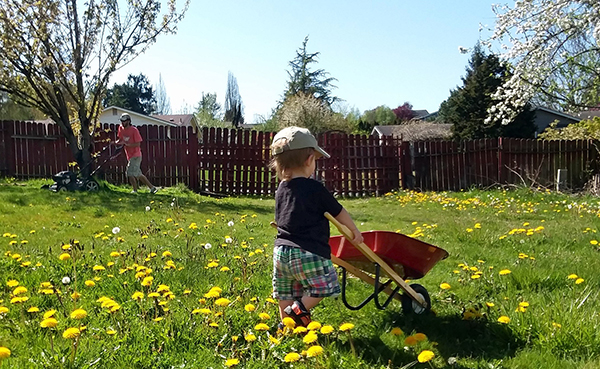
x=4 y=310
x=4 y=352
x=78 y=314
x=250 y=337
x=327 y=329
x=222 y=302
x=490 y=304
x=314 y=351
x=476 y=276
x=292 y=357
x=19 y=291
x=573 y=276
x=137 y=295
x=90 y=283
x=249 y=308
x=12 y=283
x=504 y=319
x=594 y=242
x=346 y=327
x=504 y=272
x=299 y=330
x=33 y=309
x=313 y=326
x=425 y=356
x=111 y=332
x=231 y=362
x=71 y=333
x=147 y=281
x=288 y=322
x=310 y=337
x=579 y=280
x=49 y=323
x=396 y=331
x=445 y=286
x=410 y=341
x=420 y=337
x=64 y=256
x=261 y=327
x=264 y=316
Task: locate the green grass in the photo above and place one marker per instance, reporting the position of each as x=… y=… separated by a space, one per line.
x=541 y=238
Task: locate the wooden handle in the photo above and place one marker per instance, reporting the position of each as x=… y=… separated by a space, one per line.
x=373 y=257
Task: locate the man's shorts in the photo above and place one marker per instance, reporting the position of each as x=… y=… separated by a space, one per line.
x=298 y=273
x=133 y=167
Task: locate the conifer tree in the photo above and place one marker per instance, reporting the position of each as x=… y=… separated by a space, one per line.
x=467 y=107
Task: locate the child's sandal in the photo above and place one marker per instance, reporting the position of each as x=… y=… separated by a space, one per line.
x=299 y=313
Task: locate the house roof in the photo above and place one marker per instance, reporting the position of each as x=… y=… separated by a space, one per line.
x=182 y=120
x=419 y=114
x=556 y=112
x=139 y=115
x=415 y=131
x=588 y=114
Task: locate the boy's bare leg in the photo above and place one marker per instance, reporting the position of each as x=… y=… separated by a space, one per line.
x=310 y=302
x=133 y=183
x=282 y=305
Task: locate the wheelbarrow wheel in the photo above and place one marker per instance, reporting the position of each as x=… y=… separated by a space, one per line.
x=410 y=306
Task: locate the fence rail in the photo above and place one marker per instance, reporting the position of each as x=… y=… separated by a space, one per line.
x=224 y=161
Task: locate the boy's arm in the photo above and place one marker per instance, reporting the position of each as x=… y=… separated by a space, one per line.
x=344 y=218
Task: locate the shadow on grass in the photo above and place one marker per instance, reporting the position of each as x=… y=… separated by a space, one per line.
x=455 y=337
x=107 y=199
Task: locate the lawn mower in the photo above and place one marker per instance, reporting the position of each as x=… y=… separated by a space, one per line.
x=67 y=180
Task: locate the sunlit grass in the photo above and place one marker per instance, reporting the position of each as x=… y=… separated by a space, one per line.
x=520 y=287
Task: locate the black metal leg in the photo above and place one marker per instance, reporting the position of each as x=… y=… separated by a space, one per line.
x=377 y=289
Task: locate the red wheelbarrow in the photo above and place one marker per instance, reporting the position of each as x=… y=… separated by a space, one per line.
x=386 y=254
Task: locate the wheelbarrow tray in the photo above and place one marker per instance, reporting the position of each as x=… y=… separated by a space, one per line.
x=409 y=257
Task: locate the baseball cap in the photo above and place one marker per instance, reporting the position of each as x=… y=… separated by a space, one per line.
x=124 y=117
x=296 y=138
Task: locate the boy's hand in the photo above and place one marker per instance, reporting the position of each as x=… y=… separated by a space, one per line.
x=358 y=237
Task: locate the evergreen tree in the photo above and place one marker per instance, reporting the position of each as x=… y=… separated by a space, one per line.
x=135 y=95
x=467 y=107
x=311 y=82
x=234 y=109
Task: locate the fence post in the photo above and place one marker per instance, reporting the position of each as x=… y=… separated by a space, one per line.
x=11 y=164
x=405 y=164
x=192 y=150
x=500 y=160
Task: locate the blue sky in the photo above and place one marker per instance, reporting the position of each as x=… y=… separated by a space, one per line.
x=382 y=52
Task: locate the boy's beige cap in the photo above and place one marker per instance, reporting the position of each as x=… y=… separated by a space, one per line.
x=297 y=138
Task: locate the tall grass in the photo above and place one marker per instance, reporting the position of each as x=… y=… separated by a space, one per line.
x=528 y=257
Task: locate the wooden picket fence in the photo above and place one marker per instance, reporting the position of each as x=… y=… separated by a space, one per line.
x=235 y=162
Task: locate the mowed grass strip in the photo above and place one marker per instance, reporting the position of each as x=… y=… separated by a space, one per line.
x=180 y=280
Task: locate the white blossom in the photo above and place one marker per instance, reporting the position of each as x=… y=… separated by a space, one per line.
x=207 y=246
x=66 y=280
x=552 y=47
x=230 y=223
x=147 y=208
x=116 y=230
x=228 y=239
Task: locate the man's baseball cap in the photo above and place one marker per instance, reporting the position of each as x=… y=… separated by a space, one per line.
x=125 y=117
x=296 y=138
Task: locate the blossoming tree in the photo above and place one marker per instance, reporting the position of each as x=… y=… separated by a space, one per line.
x=554 y=46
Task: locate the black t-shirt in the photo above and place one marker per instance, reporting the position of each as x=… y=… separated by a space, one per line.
x=299 y=207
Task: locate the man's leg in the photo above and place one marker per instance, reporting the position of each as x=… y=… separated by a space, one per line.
x=133 y=183
x=145 y=181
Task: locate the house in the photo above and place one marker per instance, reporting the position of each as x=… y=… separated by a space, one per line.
x=545 y=116
x=415 y=131
x=589 y=114
x=181 y=120
x=112 y=114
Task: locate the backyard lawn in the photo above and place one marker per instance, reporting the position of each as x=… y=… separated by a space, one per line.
x=177 y=280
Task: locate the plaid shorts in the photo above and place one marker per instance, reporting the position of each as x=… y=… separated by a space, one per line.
x=298 y=273
x=133 y=167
